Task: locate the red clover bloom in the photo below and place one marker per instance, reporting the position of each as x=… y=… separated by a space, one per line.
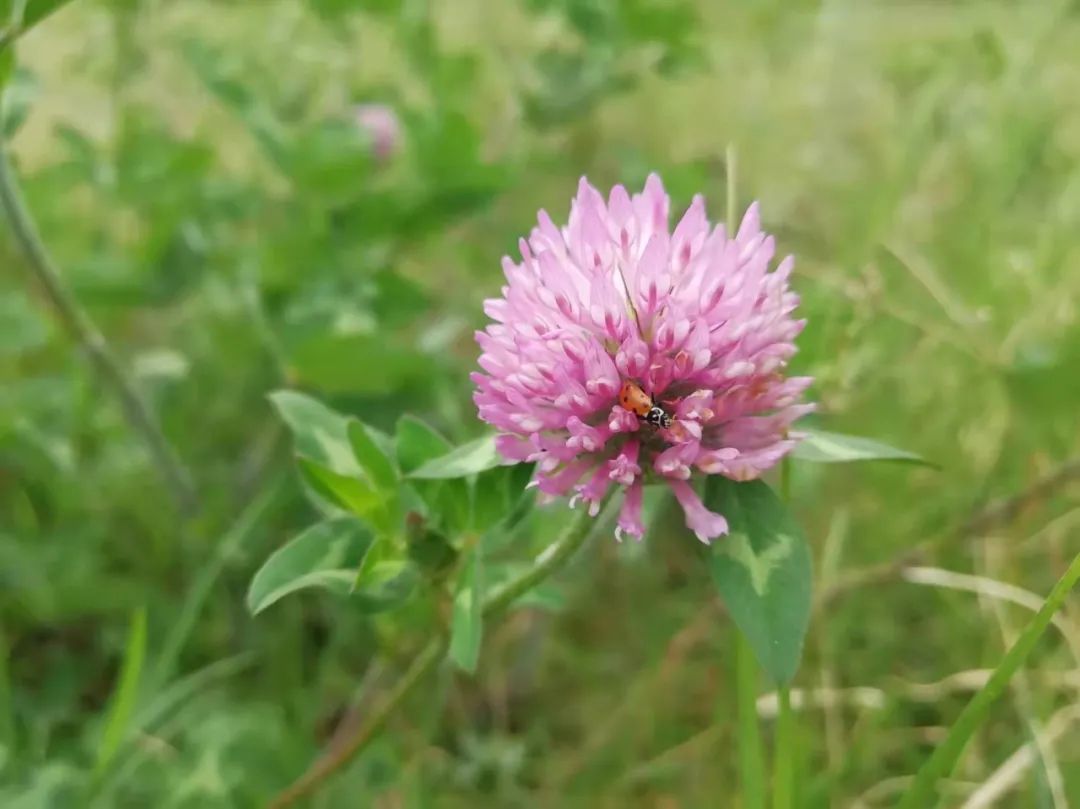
x=380 y=123
x=691 y=317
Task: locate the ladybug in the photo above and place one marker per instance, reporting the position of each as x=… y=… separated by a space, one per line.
x=638 y=402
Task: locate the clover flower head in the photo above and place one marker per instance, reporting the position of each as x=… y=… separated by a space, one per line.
x=380 y=123
x=693 y=319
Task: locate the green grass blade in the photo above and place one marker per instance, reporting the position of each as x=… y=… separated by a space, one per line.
x=173 y=697
x=126 y=693
x=946 y=756
x=165 y=706
x=751 y=752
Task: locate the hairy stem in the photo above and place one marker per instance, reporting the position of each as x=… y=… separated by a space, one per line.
x=82 y=329
x=553 y=557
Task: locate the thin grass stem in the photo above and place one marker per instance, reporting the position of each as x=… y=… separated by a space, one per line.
x=945 y=758
x=82 y=329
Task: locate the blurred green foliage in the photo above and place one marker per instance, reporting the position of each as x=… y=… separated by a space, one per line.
x=197 y=172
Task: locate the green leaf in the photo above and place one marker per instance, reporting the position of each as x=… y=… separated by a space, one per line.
x=320 y=433
x=34 y=11
x=398 y=300
x=499 y=496
x=415 y=442
x=375 y=463
x=429 y=549
x=330 y=159
x=445 y=502
x=126 y=693
x=467 y=459
x=7 y=66
x=763 y=571
x=327 y=361
x=467 y=625
x=820 y=446
x=346 y=492
x=386 y=584
x=489 y=499
x=222 y=77
x=21 y=91
x=324 y=556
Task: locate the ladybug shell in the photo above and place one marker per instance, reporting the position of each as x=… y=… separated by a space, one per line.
x=634 y=399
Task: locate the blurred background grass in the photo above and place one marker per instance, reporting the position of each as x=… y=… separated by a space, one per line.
x=198 y=174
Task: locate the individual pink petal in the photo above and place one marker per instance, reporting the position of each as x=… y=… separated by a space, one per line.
x=585 y=437
x=675 y=461
x=705 y=524
x=514 y=448
x=621 y=420
x=632 y=358
x=630 y=514
x=594 y=490
x=564 y=480
x=624 y=467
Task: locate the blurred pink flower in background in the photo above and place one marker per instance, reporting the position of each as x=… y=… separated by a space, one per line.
x=380 y=123
x=693 y=317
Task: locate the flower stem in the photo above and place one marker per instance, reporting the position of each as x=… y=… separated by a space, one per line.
x=335 y=759
x=751 y=753
x=948 y=753
x=784 y=758
x=556 y=554
x=82 y=329
x=784 y=751
x=553 y=557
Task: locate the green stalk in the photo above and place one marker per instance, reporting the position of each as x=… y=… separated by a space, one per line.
x=554 y=557
x=921 y=792
x=784 y=758
x=74 y=319
x=751 y=752
x=7 y=713
x=571 y=540
x=784 y=752
x=785 y=479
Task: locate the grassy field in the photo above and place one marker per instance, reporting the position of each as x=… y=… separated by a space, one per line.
x=196 y=174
